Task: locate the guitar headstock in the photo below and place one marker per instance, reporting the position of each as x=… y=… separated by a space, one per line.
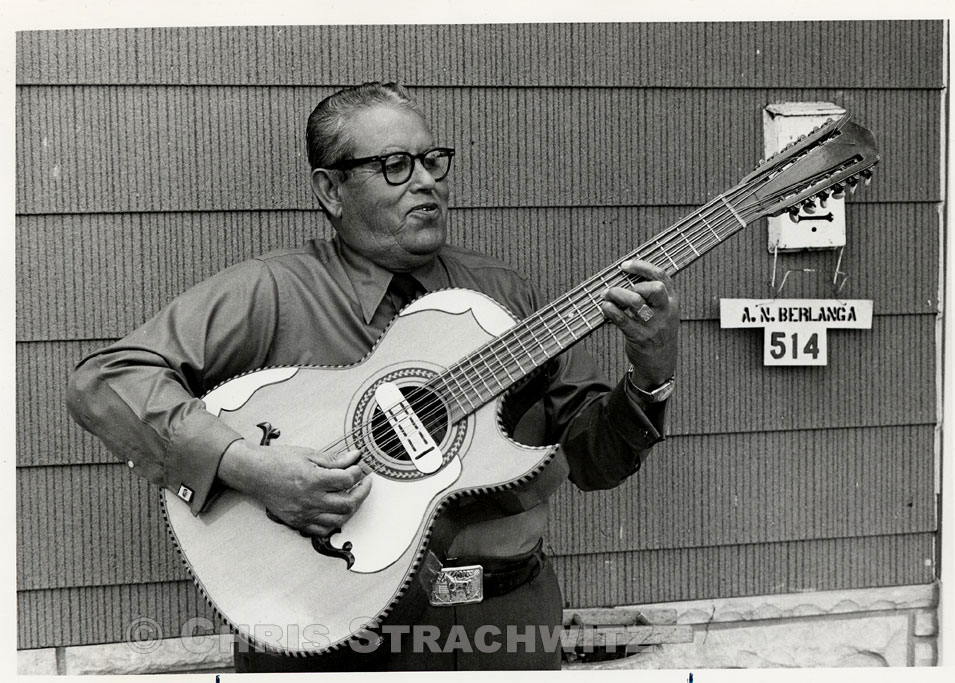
x=831 y=159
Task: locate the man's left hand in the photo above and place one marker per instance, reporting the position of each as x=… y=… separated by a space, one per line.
x=648 y=314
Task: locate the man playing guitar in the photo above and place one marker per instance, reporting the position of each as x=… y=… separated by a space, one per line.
x=383 y=183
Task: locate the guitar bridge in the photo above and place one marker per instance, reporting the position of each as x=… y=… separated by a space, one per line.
x=407 y=426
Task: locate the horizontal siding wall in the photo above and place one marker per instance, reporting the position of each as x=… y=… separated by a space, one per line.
x=125 y=267
x=149 y=159
x=716 y=55
x=105 y=614
x=718 y=571
x=120 y=149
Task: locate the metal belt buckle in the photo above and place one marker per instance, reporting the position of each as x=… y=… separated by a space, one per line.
x=458 y=586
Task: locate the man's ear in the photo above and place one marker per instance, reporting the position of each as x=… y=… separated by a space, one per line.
x=327 y=189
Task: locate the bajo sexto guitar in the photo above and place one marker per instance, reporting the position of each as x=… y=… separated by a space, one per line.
x=426 y=419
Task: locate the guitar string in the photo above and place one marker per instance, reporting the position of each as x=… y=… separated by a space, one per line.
x=442 y=404
x=439 y=405
x=547 y=315
x=434 y=408
x=424 y=408
x=430 y=409
x=555 y=314
x=470 y=365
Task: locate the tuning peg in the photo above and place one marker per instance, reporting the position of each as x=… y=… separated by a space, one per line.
x=867 y=176
x=809 y=206
x=823 y=198
x=794 y=214
x=838 y=191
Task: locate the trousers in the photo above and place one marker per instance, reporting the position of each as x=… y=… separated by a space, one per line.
x=519 y=630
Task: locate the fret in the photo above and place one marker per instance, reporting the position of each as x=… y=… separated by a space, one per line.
x=538 y=342
x=596 y=303
x=733 y=211
x=581 y=315
x=685 y=237
x=468 y=373
x=461 y=391
x=707 y=224
x=490 y=391
x=517 y=337
x=560 y=344
x=604 y=279
x=447 y=394
x=516 y=361
x=675 y=265
x=560 y=316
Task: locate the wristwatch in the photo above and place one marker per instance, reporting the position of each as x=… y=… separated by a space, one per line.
x=661 y=393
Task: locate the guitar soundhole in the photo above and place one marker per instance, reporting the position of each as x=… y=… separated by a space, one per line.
x=427 y=406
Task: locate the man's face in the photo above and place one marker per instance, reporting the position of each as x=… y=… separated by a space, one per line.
x=397 y=226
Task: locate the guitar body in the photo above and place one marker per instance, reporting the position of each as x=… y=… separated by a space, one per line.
x=267 y=580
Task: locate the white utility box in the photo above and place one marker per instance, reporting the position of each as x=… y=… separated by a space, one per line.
x=825 y=228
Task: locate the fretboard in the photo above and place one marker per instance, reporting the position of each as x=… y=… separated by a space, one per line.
x=511 y=357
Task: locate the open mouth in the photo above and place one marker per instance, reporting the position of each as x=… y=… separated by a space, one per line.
x=425 y=209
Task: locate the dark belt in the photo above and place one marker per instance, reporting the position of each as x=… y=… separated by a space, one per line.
x=467 y=580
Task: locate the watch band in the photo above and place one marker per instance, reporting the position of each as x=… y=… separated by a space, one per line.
x=661 y=393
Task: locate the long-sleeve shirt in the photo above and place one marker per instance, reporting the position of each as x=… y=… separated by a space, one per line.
x=325 y=304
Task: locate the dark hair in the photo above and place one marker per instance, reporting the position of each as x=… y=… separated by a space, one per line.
x=325 y=136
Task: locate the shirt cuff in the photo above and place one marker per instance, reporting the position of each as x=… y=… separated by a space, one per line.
x=640 y=427
x=193 y=455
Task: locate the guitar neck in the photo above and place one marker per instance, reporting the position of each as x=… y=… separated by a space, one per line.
x=511 y=357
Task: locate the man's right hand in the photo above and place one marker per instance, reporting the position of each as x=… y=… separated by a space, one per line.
x=313 y=492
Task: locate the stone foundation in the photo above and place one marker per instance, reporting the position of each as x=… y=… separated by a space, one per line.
x=895 y=626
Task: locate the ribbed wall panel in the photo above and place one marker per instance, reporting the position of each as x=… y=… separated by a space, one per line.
x=85 y=149
x=107 y=614
x=99 y=524
x=756 y=488
x=724 y=387
x=101 y=275
x=48 y=435
x=858 y=387
x=89 y=525
x=610 y=579
x=744 y=54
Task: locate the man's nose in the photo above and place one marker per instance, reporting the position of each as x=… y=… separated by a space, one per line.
x=420 y=176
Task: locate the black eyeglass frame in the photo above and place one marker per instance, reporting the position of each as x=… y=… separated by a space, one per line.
x=347 y=164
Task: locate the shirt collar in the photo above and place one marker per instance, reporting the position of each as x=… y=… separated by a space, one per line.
x=370 y=281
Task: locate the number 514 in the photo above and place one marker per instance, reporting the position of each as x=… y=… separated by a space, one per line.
x=795 y=347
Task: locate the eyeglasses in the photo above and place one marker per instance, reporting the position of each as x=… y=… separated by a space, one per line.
x=397 y=167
